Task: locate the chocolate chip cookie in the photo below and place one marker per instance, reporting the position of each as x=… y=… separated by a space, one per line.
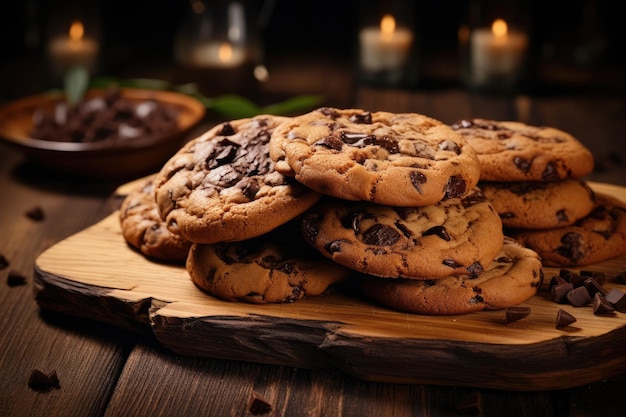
x=539 y=205
x=454 y=236
x=222 y=185
x=515 y=151
x=277 y=267
x=599 y=236
x=511 y=278
x=391 y=159
x=143 y=228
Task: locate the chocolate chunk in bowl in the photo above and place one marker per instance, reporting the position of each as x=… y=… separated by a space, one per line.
x=107 y=142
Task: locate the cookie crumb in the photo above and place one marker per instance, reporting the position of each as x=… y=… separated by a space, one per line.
x=563 y=319
x=40 y=381
x=15 y=278
x=36 y=213
x=516 y=313
x=258 y=404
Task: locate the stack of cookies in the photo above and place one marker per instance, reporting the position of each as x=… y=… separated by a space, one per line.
x=274 y=209
x=401 y=209
x=533 y=178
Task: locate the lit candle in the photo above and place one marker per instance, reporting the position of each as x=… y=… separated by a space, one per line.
x=73 y=50
x=385 y=48
x=497 y=53
x=217 y=55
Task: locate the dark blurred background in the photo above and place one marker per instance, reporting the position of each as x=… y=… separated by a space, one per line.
x=575 y=44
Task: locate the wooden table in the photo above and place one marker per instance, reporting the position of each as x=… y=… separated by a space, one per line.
x=105 y=371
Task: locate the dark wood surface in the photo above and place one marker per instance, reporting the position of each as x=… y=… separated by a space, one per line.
x=107 y=371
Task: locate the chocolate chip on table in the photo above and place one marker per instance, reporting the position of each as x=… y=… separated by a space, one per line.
x=593 y=286
x=563 y=319
x=36 y=213
x=621 y=277
x=600 y=277
x=15 y=278
x=516 y=313
x=601 y=306
x=556 y=280
x=3 y=262
x=559 y=292
x=258 y=404
x=40 y=381
x=579 y=297
x=617 y=298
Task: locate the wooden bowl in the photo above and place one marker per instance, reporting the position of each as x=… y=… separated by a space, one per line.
x=105 y=159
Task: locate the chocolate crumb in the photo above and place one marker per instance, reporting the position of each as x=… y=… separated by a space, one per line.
x=621 y=277
x=579 y=297
x=40 y=381
x=601 y=306
x=563 y=319
x=36 y=213
x=516 y=313
x=15 y=278
x=470 y=404
x=3 y=262
x=258 y=404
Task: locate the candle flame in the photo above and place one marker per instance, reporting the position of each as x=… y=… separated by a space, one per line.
x=225 y=52
x=77 y=30
x=387 y=25
x=499 y=29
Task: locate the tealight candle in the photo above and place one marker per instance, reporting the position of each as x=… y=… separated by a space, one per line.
x=497 y=53
x=384 y=48
x=216 y=55
x=73 y=50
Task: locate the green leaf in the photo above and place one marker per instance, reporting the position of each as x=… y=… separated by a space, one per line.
x=232 y=106
x=75 y=84
x=293 y=105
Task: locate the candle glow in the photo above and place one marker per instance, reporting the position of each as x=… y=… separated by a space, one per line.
x=72 y=49
x=77 y=30
x=497 y=53
x=386 y=47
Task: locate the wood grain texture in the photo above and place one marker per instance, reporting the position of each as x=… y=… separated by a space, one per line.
x=95 y=274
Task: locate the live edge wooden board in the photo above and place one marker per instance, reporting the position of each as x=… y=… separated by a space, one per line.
x=94 y=274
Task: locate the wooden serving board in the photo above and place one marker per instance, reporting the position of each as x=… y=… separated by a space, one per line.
x=94 y=274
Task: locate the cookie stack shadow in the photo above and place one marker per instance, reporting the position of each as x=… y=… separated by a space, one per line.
x=406 y=211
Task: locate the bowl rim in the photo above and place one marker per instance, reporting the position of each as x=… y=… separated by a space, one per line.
x=193 y=108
